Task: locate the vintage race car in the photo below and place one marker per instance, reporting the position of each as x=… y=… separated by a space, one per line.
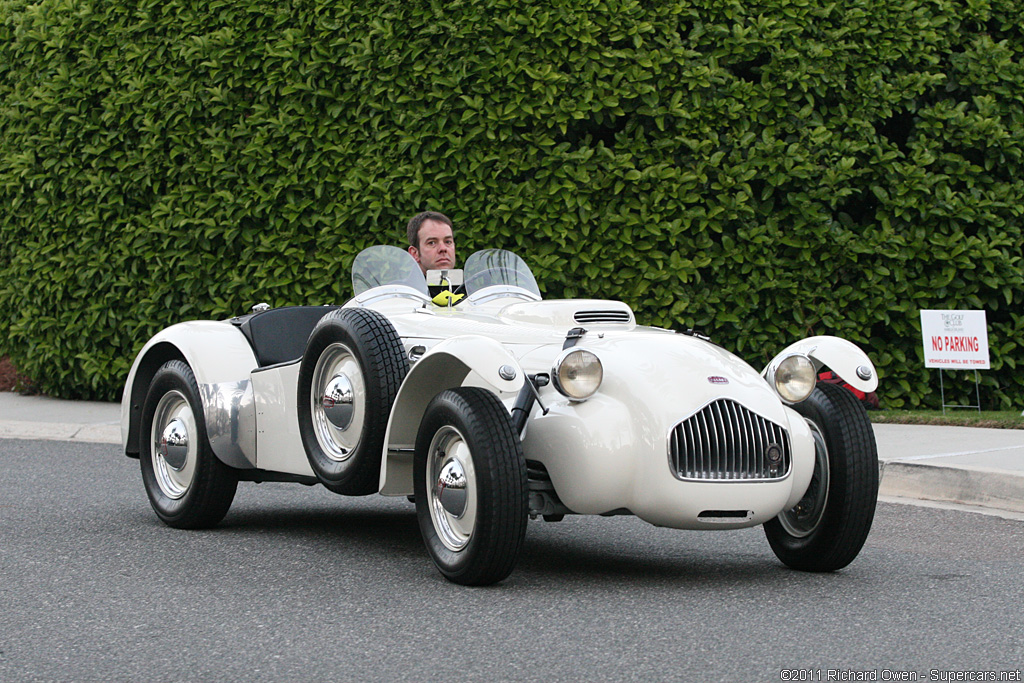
x=488 y=406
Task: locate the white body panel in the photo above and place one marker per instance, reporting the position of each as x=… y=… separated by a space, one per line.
x=278 y=444
x=611 y=451
x=216 y=351
x=842 y=357
x=454 y=362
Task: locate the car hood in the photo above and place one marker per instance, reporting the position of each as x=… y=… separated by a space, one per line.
x=534 y=322
x=669 y=376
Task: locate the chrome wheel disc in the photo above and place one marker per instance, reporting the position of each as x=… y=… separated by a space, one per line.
x=173 y=444
x=337 y=402
x=805 y=516
x=451 y=488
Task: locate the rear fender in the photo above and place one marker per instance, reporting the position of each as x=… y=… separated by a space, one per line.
x=455 y=362
x=221 y=360
x=844 y=358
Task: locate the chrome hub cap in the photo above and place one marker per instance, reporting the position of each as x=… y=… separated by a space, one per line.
x=172 y=444
x=337 y=402
x=805 y=516
x=451 y=488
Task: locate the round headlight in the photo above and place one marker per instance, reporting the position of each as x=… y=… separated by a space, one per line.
x=794 y=378
x=578 y=374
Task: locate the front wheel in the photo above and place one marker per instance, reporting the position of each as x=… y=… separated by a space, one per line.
x=826 y=530
x=471 y=488
x=188 y=487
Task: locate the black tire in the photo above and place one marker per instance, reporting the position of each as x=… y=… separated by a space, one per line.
x=360 y=346
x=826 y=530
x=188 y=487
x=480 y=544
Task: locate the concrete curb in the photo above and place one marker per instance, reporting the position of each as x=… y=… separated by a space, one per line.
x=60 y=431
x=974 y=486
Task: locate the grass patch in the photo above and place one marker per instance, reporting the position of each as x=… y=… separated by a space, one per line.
x=994 y=419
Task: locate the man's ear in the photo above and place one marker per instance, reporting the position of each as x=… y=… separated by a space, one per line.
x=415 y=253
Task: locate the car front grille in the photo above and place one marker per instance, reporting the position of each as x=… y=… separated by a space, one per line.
x=598 y=317
x=726 y=442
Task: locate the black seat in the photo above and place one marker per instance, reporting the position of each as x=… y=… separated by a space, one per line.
x=279 y=335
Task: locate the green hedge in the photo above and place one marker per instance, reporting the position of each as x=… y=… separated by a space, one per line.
x=761 y=171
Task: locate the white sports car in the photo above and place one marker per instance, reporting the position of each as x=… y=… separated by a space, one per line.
x=496 y=407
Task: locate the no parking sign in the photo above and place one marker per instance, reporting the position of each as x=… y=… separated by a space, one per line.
x=955 y=340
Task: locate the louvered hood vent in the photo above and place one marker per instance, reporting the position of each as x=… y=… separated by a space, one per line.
x=596 y=317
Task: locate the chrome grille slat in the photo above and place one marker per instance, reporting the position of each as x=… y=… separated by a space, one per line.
x=716 y=426
x=748 y=443
x=679 y=438
x=725 y=441
x=734 y=436
x=702 y=441
x=765 y=437
x=723 y=444
x=691 y=443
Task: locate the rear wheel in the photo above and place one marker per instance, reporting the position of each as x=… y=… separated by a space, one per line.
x=188 y=487
x=471 y=488
x=826 y=530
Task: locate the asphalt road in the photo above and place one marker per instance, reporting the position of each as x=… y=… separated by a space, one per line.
x=300 y=584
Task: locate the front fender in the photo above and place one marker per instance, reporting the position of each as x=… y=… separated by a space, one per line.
x=459 y=361
x=221 y=360
x=844 y=358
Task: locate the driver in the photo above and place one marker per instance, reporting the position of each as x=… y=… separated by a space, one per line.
x=432 y=245
x=432 y=241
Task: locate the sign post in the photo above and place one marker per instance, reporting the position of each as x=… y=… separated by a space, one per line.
x=955 y=340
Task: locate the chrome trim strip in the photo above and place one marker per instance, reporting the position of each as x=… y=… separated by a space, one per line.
x=230 y=412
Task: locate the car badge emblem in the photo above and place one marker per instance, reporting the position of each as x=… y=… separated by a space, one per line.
x=715 y=379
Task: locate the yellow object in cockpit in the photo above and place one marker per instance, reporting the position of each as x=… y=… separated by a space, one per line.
x=446 y=298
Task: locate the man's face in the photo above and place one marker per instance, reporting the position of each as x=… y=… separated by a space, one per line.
x=437 y=246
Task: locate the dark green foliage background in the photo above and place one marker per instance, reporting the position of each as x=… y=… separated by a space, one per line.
x=759 y=170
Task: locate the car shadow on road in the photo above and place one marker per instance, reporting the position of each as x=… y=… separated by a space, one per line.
x=322 y=521
x=597 y=562
x=581 y=552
